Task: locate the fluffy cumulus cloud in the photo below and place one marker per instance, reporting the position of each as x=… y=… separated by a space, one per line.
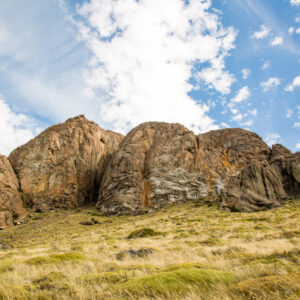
x=246 y=73
x=276 y=41
x=288 y=113
x=266 y=65
x=291 y=30
x=242 y=95
x=293 y=85
x=295 y=2
x=271 y=82
x=145 y=52
x=15 y=129
x=297 y=146
x=262 y=33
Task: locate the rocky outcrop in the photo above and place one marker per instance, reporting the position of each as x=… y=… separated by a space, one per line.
x=158 y=163
x=264 y=184
x=11 y=209
x=63 y=166
x=224 y=153
x=257 y=187
x=287 y=169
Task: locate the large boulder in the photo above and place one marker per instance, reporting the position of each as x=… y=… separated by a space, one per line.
x=257 y=187
x=158 y=163
x=11 y=209
x=63 y=166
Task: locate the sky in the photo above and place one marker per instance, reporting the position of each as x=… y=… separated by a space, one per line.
x=205 y=64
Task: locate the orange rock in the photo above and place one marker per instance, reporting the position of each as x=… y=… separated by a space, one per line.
x=63 y=166
x=11 y=209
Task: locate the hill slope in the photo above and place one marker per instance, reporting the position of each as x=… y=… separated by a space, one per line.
x=184 y=251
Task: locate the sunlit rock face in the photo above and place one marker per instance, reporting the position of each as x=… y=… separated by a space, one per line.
x=11 y=209
x=160 y=163
x=63 y=166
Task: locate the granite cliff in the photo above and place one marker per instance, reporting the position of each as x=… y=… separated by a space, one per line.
x=62 y=167
x=156 y=163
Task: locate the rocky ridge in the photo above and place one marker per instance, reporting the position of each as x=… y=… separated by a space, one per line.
x=77 y=162
x=158 y=163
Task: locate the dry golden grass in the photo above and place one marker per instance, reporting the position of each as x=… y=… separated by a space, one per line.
x=198 y=253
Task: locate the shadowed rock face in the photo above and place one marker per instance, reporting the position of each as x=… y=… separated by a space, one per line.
x=257 y=187
x=63 y=166
x=265 y=184
x=11 y=209
x=158 y=163
x=287 y=169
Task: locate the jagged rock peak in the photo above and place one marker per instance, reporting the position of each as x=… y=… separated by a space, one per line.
x=11 y=209
x=63 y=166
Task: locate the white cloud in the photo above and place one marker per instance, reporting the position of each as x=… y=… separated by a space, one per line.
x=271 y=82
x=296 y=125
x=291 y=30
x=295 y=2
x=239 y=117
x=253 y=112
x=262 y=33
x=15 y=129
x=295 y=83
x=297 y=20
x=272 y=139
x=246 y=73
x=266 y=65
x=277 y=41
x=242 y=95
x=298 y=31
x=247 y=123
x=297 y=146
x=289 y=113
x=224 y=125
x=144 y=54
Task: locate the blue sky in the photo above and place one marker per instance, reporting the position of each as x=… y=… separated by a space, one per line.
x=205 y=64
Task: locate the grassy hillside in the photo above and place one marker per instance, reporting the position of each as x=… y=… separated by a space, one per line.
x=182 y=252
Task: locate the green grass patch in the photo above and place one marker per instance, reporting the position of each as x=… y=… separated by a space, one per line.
x=144 y=232
x=56 y=258
x=176 y=280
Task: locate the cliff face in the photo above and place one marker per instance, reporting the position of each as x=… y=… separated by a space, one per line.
x=62 y=167
x=158 y=163
x=11 y=209
x=264 y=184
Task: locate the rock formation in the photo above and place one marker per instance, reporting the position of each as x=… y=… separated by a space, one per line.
x=265 y=184
x=63 y=166
x=287 y=169
x=257 y=187
x=11 y=209
x=158 y=163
